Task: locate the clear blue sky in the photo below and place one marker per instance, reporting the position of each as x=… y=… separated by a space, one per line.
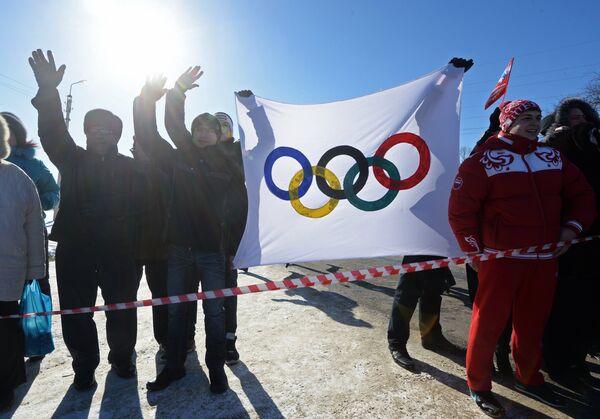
x=295 y=51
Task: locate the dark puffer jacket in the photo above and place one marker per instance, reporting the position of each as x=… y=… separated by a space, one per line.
x=581 y=146
x=101 y=195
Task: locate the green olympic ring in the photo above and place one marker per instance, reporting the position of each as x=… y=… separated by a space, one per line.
x=380 y=203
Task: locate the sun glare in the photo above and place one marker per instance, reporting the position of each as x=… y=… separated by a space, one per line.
x=137 y=38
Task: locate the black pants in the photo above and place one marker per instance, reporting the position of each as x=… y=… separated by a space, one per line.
x=156 y=276
x=12 y=349
x=573 y=322
x=80 y=270
x=231 y=277
x=503 y=345
x=416 y=287
x=45 y=281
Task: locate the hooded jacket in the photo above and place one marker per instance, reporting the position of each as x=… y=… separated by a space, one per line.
x=38 y=172
x=516 y=193
x=22 y=249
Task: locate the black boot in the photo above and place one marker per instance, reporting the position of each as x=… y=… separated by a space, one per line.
x=232 y=356
x=7 y=400
x=84 y=381
x=488 y=403
x=218 y=380
x=401 y=357
x=164 y=379
x=438 y=343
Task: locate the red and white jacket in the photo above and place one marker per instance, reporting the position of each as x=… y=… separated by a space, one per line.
x=513 y=193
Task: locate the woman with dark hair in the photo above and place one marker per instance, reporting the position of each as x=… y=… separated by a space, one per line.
x=21 y=259
x=574 y=324
x=22 y=154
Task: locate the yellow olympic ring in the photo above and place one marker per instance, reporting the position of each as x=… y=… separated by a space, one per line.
x=331 y=179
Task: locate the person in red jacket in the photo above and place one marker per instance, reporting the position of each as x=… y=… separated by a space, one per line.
x=515 y=192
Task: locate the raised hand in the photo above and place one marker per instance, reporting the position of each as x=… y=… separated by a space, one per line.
x=44 y=70
x=245 y=93
x=154 y=88
x=187 y=81
x=461 y=63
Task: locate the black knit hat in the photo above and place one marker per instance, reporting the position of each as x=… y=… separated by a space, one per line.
x=16 y=127
x=210 y=120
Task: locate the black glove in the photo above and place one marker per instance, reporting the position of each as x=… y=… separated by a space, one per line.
x=494 y=120
x=461 y=63
x=245 y=93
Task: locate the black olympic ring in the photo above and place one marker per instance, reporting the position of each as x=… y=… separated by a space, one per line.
x=363 y=167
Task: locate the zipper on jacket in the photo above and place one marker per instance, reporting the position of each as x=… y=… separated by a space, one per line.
x=538 y=199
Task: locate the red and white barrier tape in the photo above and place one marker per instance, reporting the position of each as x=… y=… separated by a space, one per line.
x=313 y=280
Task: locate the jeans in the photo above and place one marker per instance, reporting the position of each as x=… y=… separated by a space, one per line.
x=231 y=302
x=188 y=268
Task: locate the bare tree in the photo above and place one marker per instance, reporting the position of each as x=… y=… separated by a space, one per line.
x=592 y=91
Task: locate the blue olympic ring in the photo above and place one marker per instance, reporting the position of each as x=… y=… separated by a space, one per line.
x=300 y=158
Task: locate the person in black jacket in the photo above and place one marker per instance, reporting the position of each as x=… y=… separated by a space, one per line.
x=94 y=227
x=574 y=323
x=151 y=244
x=236 y=219
x=200 y=173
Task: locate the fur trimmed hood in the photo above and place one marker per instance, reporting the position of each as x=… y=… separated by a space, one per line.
x=561 y=114
x=4 y=148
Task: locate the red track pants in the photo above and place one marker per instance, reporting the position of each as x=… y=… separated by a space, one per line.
x=525 y=286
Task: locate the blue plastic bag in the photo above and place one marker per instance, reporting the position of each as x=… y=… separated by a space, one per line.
x=38 y=329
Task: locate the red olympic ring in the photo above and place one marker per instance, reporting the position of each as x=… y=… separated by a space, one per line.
x=424 y=161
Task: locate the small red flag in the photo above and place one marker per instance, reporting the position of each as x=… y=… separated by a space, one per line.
x=501 y=86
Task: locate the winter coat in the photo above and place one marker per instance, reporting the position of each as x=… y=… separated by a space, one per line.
x=577 y=145
x=151 y=225
x=208 y=201
x=516 y=193
x=38 y=172
x=200 y=184
x=22 y=249
x=237 y=198
x=101 y=194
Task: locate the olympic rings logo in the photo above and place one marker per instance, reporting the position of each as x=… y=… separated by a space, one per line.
x=355 y=179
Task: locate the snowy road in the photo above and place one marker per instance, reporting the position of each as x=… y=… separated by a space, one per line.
x=315 y=352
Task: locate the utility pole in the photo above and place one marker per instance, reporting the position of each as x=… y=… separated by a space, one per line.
x=68 y=108
x=70 y=103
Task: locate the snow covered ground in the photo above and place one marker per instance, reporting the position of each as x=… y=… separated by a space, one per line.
x=315 y=353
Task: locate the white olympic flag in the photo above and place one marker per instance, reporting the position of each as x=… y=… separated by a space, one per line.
x=358 y=178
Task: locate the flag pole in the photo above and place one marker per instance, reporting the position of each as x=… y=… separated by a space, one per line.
x=512 y=60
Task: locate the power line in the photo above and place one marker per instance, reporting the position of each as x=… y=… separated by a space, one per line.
x=527 y=54
x=18 y=82
x=535 y=73
x=538 y=82
x=15 y=89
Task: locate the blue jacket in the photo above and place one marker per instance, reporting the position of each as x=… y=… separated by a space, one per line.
x=47 y=187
